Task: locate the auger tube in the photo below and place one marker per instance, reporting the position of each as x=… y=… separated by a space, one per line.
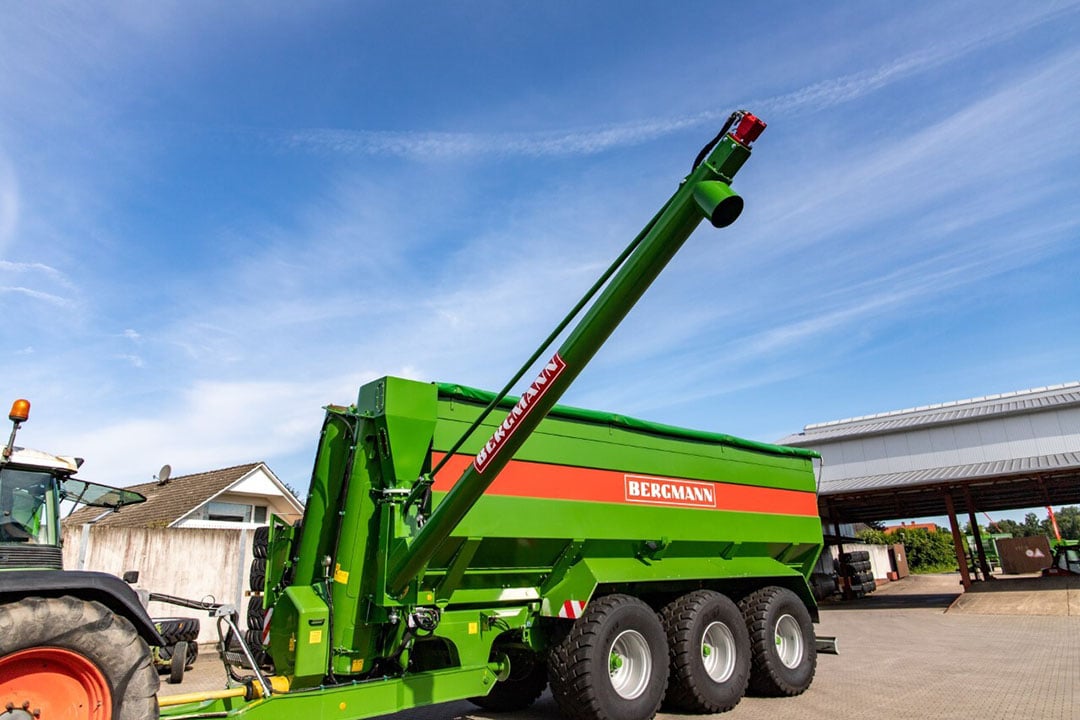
x=705 y=193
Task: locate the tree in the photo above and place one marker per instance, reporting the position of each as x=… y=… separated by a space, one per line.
x=1068 y=520
x=1032 y=526
x=926 y=551
x=1008 y=526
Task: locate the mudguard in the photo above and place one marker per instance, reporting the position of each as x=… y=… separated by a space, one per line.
x=109 y=590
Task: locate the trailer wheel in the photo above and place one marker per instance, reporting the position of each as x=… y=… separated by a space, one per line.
x=784 y=651
x=709 y=653
x=71 y=658
x=527 y=680
x=165 y=653
x=612 y=665
x=178 y=662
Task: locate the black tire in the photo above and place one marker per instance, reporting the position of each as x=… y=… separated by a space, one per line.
x=708 y=653
x=257 y=577
x=782 y=641
x=174 y=630
x=613 y=663
x=855 y=556
x=192 y=654
x=260 y=543
x=255 y=613
x=90 y=630
x=526 y=682
x=166 y=653
x=253 y=638
x=178 y=663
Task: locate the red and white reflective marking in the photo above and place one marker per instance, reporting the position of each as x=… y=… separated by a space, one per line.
x=572 y=609
x=266 y=627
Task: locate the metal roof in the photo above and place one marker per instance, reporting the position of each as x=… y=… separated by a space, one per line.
x=935 y=476
x=1043 y=398
x=921 y=495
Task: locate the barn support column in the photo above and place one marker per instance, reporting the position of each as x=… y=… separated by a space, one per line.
x=958 y=541
x=977 y=534
x=845 y=585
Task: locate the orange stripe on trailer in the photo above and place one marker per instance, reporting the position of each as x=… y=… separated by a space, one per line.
x=522 y=478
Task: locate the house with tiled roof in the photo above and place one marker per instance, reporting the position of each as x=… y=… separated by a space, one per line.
x=243 y=496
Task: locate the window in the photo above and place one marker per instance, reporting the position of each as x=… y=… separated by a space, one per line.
x=228 y=512
x=260 y=513
x=26 y=506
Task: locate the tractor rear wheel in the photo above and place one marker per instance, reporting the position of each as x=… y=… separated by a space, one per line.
x=66 y=657
x=613 y=663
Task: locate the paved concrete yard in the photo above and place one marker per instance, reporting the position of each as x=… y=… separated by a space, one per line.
x=1022 y=596
x=902 y=656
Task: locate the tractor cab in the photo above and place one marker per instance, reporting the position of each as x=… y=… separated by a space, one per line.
x=34 y=487
x=29 y=504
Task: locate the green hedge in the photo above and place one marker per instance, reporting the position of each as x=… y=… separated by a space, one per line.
x=927 y=552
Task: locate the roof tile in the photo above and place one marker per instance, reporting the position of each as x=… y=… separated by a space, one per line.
x=165 y=504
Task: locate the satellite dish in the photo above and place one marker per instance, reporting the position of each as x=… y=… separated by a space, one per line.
x=163 y=474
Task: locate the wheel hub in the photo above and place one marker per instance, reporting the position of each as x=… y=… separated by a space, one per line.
x=49 y=682
x=629 y=664
x=789 y=641
x=20 y=713
x=718 y=652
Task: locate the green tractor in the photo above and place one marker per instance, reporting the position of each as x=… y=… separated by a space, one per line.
x=58 y=624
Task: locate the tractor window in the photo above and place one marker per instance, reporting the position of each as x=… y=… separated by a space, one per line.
x=26 y=500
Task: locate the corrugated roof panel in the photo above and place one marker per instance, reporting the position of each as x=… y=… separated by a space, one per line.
x=1016 y=466
x=992 y=405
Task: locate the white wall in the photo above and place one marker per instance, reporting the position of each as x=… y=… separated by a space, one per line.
x=193 y=564
x=879 y=558
x=988 y=440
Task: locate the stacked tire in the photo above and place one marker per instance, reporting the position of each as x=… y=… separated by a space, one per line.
x=256 y=614
x=181 y=648
x=856 y=570
x=824 y=585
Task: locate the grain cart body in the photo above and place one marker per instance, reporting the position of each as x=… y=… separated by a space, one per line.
x=595 y=499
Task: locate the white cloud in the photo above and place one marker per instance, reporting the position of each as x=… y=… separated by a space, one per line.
x=45 y=297
x=134 y=360
x=212 y=424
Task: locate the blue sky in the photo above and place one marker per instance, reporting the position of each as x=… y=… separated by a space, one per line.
x=217 y=218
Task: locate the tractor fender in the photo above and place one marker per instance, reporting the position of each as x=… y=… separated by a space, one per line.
x=109 y=590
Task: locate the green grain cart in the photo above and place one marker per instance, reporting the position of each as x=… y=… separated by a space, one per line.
x=463 y=544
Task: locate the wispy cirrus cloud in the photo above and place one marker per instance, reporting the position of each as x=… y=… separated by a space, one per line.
x=448 y=144
x=593 y=140
x=45 y=297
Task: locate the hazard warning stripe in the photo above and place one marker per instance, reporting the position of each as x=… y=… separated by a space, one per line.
x=567 y=482
x=266 y=627
x=572 y=609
